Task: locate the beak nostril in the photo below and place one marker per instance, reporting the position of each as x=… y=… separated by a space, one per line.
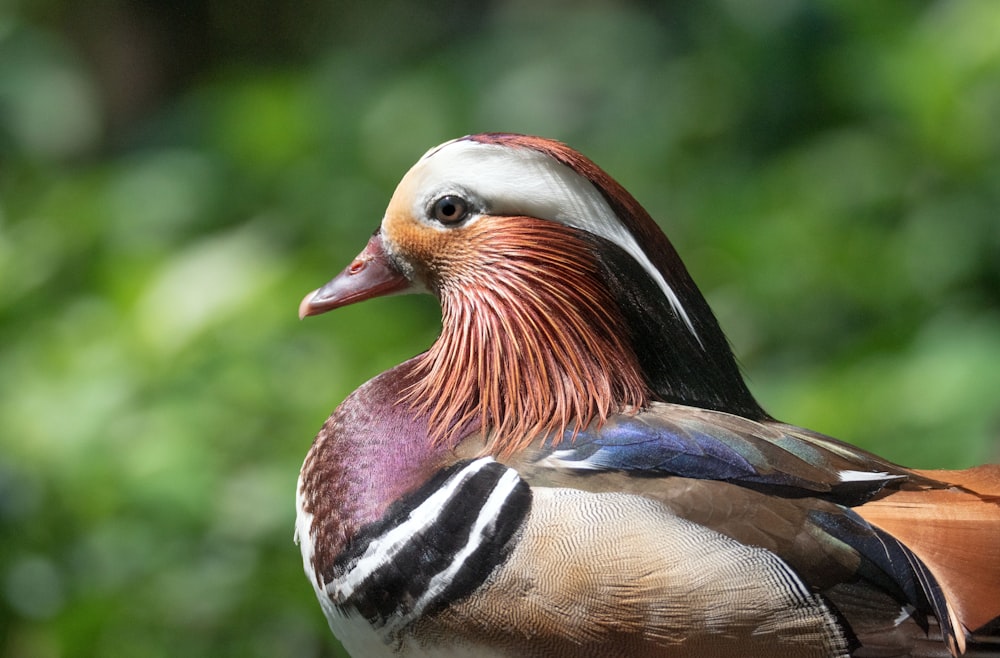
x=370 y=274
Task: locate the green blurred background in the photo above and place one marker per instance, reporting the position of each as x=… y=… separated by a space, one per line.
x=174 y=176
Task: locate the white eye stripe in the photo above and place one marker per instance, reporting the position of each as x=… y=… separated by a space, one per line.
x=501 y=180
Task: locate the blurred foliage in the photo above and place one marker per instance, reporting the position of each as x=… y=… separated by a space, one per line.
x=175 y=176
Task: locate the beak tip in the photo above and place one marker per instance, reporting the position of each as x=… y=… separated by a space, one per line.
x=305 y=306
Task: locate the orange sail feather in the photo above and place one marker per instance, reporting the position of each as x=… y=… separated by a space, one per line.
x=954 y=531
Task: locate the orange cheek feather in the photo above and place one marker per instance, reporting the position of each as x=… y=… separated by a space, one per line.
x=434 y=254
x=532 y=343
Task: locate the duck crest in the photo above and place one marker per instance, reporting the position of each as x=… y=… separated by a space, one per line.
x=533 y=344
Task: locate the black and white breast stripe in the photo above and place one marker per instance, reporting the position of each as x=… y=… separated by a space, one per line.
x=433 y=547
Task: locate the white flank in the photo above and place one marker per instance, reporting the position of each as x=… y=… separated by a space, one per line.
x=905 y=613
x=488 y=514
x=522 y=181
x=796 y=587
x=303 y=536
x=864 y=476
x=564 y=459
x=388 y=545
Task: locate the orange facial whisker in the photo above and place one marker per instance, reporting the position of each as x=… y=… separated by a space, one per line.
x=533 y=344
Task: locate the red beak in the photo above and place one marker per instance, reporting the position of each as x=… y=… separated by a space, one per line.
x=371 y=274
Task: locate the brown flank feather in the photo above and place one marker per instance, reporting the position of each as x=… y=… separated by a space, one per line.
x=532 y=341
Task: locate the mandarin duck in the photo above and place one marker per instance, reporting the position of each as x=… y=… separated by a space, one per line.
x=575 y=467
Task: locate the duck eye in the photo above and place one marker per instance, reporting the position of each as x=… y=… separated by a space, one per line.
x=450 y=209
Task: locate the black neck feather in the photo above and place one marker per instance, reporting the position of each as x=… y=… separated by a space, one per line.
x=679 y=367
